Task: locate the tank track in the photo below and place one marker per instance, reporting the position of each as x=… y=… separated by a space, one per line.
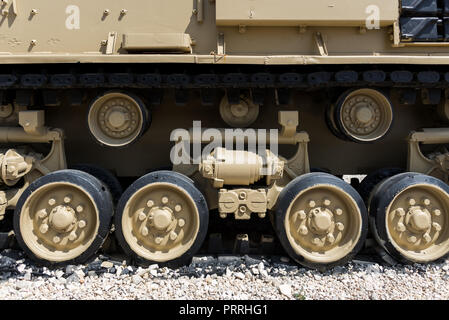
x=282 y=78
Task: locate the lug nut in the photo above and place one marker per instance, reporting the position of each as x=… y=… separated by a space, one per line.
x=182 y=222
x=401 y=227
x=144 y=231
x=51 y=201
x=411 y=239
x=437 y=212
x=56 y=239
x=142 y=216
x=178 y=208
x=317 y=241
x=79 y=208
x=340 y=226
x=173 y=235
x=339 y=212
x=312 y=203
x=427 y=238
x=43 y=228
x=302 y=214
x=436 y=226
x=82 y=224
x=42 y=213
x=72 y=236
x=426 y=202
x=400 y=212
x=412 y=202
x=67 y=198
x=303 y=230
x=327 y=202
x=164 y=200
x=158 y=240
x=150 y=203
x=330 y=237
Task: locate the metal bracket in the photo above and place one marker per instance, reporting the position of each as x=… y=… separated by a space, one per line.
x=221 y=45
x=110 y=48
x=321 y=44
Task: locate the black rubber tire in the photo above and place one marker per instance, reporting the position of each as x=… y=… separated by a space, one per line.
x=105 y=176
x=289 y=193
x=180 y=181
x=382 y=197
x=92 y=186
x=368 y=184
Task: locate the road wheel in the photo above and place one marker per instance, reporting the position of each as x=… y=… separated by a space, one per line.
x=162 y=218
x=409 y=215
x=63 y=217
x=320 y=220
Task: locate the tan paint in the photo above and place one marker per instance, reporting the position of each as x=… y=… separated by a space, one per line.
x=417 y=220
x=59 y=221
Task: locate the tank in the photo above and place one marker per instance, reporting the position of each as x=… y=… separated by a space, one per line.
x=157 y=124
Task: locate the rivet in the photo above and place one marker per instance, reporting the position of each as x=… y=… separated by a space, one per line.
x=182 y=222
x=79 y=208
x=123 y=11
x=144 y=231
x=150 y=203
x=303 y=230
x=158 y=240
x=436 y=226
x=103 y=43
x=72 y=236
x=164 y=200
x=43 y=228
x=56 y=239
x=34 y=12
x=173 y=235
x=327 y=202
x=411 y=239
x=142 y=216
x=437 y=212
x=312 y=203
x=106 y=12
x=81 y=224
x=340 y=226
x=242 y=209
x=51 y=201
x=33 y=42
x=426 y=202
x=178 y=208
x=42 y=213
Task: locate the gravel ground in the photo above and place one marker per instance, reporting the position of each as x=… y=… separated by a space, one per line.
x=223 y=277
